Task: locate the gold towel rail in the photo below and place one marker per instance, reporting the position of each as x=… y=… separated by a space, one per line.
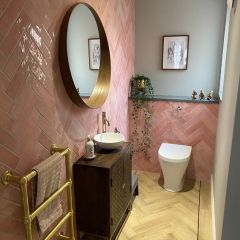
x=8 y=177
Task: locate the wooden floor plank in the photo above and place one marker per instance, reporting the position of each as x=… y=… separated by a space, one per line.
x=205 y=224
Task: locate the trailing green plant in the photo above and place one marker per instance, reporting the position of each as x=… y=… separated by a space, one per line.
x=142 y=113
x=141 y=90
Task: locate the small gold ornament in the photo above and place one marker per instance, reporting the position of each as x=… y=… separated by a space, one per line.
x=194 y=94
x=201 y=95
x=210 y=96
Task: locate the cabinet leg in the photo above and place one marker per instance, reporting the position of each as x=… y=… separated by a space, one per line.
x=136 y=191
x=129 y=207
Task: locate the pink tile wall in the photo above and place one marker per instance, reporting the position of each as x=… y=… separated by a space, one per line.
x=35 y=110
x=194 y=125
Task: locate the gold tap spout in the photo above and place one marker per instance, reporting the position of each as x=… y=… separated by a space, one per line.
x=105 y=122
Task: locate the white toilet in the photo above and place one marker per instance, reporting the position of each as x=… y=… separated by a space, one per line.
x=174 y=160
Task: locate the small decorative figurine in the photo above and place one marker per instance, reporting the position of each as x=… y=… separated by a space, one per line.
x=201 y=95
x=210 y=96
x=194 y=94
x=89 y=149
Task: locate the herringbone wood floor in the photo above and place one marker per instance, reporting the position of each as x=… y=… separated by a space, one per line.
x=161 y=215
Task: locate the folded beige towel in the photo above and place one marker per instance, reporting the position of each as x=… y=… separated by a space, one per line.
x=47 y=181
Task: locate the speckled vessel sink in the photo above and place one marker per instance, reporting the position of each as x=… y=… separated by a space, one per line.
x=109 y=140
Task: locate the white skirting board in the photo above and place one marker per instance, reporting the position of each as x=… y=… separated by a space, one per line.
x=213 y=211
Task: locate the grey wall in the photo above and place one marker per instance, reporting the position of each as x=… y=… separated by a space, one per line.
x=232 y=210
x=203 y=20
x=227 y=110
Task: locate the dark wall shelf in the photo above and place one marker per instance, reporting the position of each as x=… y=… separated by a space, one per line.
x=175 y=99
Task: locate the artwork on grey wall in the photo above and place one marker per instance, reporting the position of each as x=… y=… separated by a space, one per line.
x=94 y=53
x=175 y=52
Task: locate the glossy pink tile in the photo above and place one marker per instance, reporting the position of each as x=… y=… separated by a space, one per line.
x=35 y=110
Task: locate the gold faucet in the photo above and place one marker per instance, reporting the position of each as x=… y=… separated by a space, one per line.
x=105 y=122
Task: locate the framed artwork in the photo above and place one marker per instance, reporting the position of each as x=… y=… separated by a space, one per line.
x=175 y=52
x=94 y=53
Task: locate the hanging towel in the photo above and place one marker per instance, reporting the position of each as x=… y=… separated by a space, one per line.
x=47 y=181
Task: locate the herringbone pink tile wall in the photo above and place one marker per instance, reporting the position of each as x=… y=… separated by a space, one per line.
x=35 y=110
x=194 y=125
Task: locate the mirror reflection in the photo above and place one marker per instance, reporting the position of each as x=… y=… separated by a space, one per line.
x=84 y=56
x=83 y=49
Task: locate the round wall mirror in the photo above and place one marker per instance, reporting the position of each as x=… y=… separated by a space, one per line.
x=84 y=56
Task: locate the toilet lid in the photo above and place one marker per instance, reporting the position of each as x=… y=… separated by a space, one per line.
x=174 y=152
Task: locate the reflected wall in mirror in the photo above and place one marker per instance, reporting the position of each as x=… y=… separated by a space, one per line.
x=84 y=56
x=81 y=27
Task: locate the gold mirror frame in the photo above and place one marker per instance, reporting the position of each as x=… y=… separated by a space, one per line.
x=101 y=89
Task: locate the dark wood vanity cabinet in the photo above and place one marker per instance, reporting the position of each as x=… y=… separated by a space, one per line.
x=102 y=190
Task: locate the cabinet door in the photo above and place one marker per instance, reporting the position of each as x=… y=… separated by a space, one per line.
x=117 y=200
x=92 y=199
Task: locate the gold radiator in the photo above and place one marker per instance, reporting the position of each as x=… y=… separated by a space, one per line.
x=8 y=177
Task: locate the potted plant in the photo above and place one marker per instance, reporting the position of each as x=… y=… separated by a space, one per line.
x=141 y=87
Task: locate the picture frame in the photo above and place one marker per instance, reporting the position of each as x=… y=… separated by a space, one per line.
x=175 y=52
x=94 y=53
